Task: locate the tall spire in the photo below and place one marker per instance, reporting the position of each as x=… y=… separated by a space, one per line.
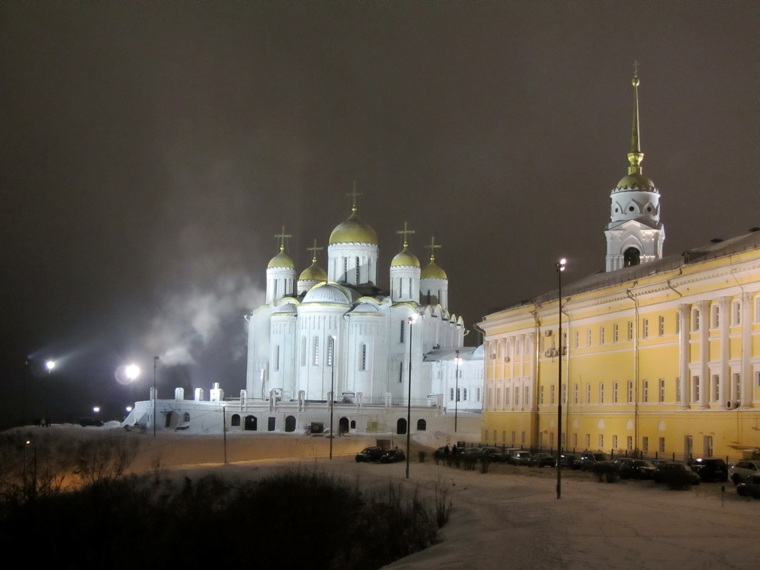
x=635 y=156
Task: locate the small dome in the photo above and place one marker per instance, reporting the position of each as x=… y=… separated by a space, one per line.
x=282 y=259
x=432 y=271
x=313 y=273
x=327 y=293
x=636 y=182
x=353 y=230
x=405 y=259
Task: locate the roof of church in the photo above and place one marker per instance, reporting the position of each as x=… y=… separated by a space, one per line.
x=353 y=230
x=405 y=258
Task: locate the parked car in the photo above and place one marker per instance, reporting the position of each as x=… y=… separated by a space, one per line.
x=392 y=456
x=493 y=454
x=85 y=422
x=542 y=460
x=663 y=472
x=520 y=457
x=710 y=469
x=591 y=458
x=744 y=469
x=369 y=454
x=630 y=468
x=750 y=487
x=570 y=461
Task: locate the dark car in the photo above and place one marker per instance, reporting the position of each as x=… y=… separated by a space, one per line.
x=750 y=487
x=369 y=454
x=630 y=468
x=710 y=469
x=84 y=422
x=542 y=460
x=521 y=457
x=392 y=456
x=570 y=461
x=490 y=453
x=671 y=470
x=589 y=459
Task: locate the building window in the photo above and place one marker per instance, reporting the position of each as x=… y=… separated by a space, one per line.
x=526 y=392
x=645 y=393
x=629 y=392
x=588 y=393
x=695 y=319
x=588 y=337
x=277 y=357
x=522 y=438
x=708 y=445
x=541 y=396
x=564 y=393
x=715 y=316
x=615 y=332
x=695 y=389
x=459 y=394
x=401 y=333
x=601 y=441
x=629 y=443
x=464 y=394
x=645 y=445
x=330 y=351
x=715 y=392
x=614 y=442
x=587 y=439
x=575 y=393
x=601 y=392
x=630 y=330
x=478 y=394
x=364 y=357
x=660 y=325
x=551 y=394
x=577 y=339
x=507 y=399
x=601 y=335
x=736 y=313
x=315 y=352
x=614 y=392
x=400 y=372
x=498 y=397
x=661 y=396
x=645 y=328
x=451 y=394
x=661 y=447
x=303 y=351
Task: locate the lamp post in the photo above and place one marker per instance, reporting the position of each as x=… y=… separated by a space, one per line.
x=456 y=390
x=332 y=390
x=49 y=366
x=560 y=268
x=411 y=320
x=155 y=362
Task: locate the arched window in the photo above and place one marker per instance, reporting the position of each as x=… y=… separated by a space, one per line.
x=401 y=426
x=421 y=425
x=631 y=257
x=235 y=420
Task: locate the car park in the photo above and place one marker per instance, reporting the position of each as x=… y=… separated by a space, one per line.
x=589 y=459
x=369 y=454
x=542 y=460
x=750 y=487
x=520 y=457
x=744 y=469
x=392 y=456
x=710 y=469
x=670 y=469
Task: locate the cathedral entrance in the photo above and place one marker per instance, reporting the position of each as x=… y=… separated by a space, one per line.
x=343 y=426
x=401 y=426
x=250 y=423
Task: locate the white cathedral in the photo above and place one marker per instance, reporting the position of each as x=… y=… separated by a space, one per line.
x=334 y=344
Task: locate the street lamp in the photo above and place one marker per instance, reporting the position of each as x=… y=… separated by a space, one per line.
x=560 y=268
x=411 y=320
x=155 y=362
x=456 y=390
x=49 y=366
x=332 y=390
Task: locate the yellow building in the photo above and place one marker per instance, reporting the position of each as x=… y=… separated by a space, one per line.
x=659 y=354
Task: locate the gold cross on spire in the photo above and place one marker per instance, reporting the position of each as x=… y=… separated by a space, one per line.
x=282 y=237
x=314 y=249
x=353 y=195
x=405 y=232
x=432 y=247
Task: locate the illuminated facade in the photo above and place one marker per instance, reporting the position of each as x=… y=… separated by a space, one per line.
x=659 y=354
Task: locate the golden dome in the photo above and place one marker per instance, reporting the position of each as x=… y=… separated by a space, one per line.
x=313 y=273
x=405 y=259
x=282 y=259
x=636 y=181
x=353 y=230
x=432 y=271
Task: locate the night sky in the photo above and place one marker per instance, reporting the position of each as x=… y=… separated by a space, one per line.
x=152 y=150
